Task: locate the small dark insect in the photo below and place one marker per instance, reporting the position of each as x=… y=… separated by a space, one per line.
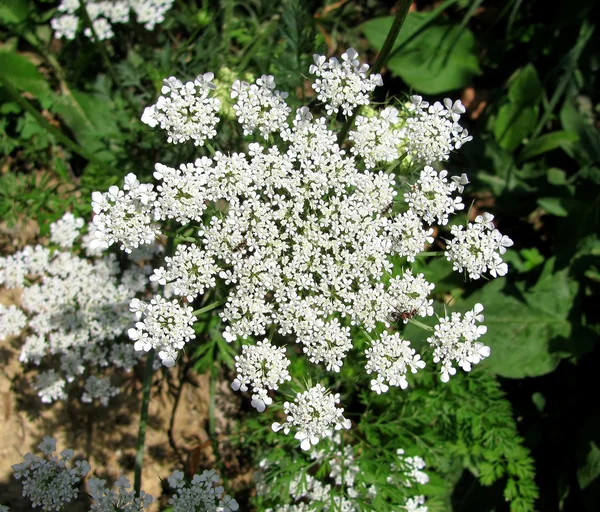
x=395 y=316
x=242 y=246
x=388 y=208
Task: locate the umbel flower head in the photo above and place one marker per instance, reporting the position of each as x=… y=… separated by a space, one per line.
x=48 y=481
x=103 y=14
x=300 y=231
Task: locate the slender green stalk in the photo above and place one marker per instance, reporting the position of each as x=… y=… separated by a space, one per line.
x=430 y=253
x=386 y=50
x=29 y=108
x=210 y=307
x=421 y=325
x=139 y=456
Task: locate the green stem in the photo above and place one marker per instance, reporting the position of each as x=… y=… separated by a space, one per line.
x=386 y=49
x=139 y=456
x=29 y=108
x=210 y=307
x=420 y=324
x=430 y=253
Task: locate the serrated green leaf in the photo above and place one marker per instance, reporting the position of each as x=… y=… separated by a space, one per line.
x=438 y=59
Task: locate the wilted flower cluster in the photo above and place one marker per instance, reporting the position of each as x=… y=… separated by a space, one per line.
x=103 y=14
x=48 y=481
x=301 y=232
x=202 y=493
x=75 y=312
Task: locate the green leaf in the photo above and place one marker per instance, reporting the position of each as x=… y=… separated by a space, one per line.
x=591 y=470
x=526 y=89
x=23 y=74
x=13 y=12
x=439 y=58
x=553 y=206
x=527 y=330
x=588 y=147
x=546 y=143
x=513 y=124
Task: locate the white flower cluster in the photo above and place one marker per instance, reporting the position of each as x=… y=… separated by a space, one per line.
x=103 y=14
x=300 y=232
x=431 y=132
x=167 y=327
x=260 y=106
x=121 y=498
x=407 y=471
x=342 y=487
x=47 y=481
x=390 y=357
x=454 y=339
x=478 y=248
x=343 y=84
x=12 y=321
x=202 y=493
x=375 y=138
x=431 y=197
x=76 y=313
x=65 y=231
x=186 y=111
x=263 y=367
x=314 y=414
x=124 y=217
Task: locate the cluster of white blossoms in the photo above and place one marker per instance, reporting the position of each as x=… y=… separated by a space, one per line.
x=478 y=248
x=390 y=357
x=73 y=313
x=166 y=327
x=103 y=14
x=375 y=138
x=454 y=340
x=432 y=196
x=431 y=132
x=121 y=498
x=301 y=232
x=313 y=414
x=260 y=106
x=262 y=367
x=125 y=215
x=341 y=486
x=343 y=84
x=186 y=111
x=48 y=481
x=202 y=493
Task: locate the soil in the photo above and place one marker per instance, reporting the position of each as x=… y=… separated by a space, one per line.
x=176 y=437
